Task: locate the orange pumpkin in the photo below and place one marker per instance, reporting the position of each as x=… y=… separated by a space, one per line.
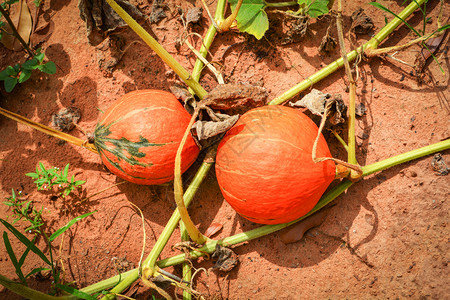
x=265 y=169
x=138 y=137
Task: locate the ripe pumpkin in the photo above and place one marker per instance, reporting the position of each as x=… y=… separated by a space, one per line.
x=265 y=169
x=138 y=137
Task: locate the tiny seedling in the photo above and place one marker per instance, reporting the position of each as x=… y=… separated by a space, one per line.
x=23 y=209
x=20 y=73
x=46 y=179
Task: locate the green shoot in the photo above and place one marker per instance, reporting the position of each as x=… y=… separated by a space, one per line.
x=23 y=209
x=48 y=178
x=20 y=73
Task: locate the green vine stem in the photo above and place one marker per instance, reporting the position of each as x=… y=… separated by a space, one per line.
x=372 y=44
x=150 y=262
x=351 y=147
x=187 y=271
x=162 y=53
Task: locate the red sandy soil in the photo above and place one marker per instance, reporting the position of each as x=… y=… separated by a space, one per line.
x=386 y=237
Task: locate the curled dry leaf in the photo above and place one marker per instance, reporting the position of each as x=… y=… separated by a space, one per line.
x=206 y=129
x=100 y=18
x=327 y=45
x=194 y=15
x=158 y=12
x=295 y=232
x=21 y=18
x=361 y=23
x=314 y=101
x=207 y=133
x=66 y=118
x=182 y=93
x=226 y=259
x=237 y=98
x=439 y=165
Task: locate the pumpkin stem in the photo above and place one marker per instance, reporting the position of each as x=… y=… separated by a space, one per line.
x=343 y=168
x=193 y=231
x=48 y=130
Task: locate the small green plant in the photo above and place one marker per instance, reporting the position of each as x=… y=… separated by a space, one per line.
x=20 y=73
x=48 y=260
x=252 y=17
x=46 y=179
x=23 y=209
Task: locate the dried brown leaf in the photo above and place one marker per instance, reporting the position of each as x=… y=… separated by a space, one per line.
x=21 y=18
x=238 y=98
x=314 y=101
x=100 y=18
x=226 y=259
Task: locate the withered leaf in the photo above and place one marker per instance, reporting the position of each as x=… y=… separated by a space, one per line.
x=327 y=45
x=226 y=259
x=314 y=101
x=194 y=15
x=100 y=18
x=66 y=118
x=238 y=98
x=439 y=165
x=206 y=129
x=158 y=12
x=337 y=111
x=361 y=23
x=21 y=18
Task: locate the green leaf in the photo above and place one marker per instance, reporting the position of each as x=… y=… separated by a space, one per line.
x=4 y=74
x=10 y=83
x=25 y=241
x=24 y=75
x=12 y=256
x=11 y=71
x=30 y=64
x=251 y=17
x=40 y=56
x=79 y=182
x=66 y=171
x=36 y=270
x=316 y=8
x=75 y=292
x=65 y=227
x=49 y=67
x=32 y=175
